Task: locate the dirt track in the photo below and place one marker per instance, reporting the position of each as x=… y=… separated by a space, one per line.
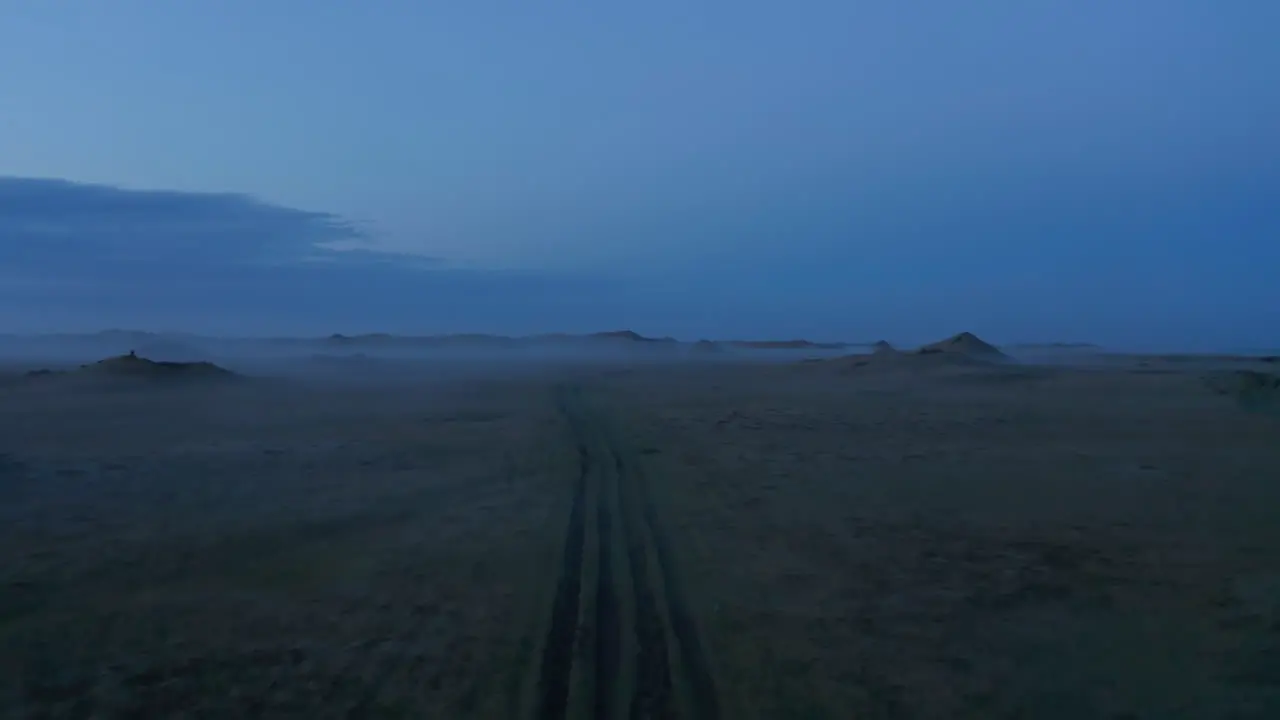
x=647 y=660
x=735 y=542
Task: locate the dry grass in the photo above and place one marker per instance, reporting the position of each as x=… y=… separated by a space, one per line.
x=291 y=552
x=927 y=542
x=985 y=544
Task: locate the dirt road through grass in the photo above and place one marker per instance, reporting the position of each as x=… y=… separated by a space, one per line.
x=621 y=641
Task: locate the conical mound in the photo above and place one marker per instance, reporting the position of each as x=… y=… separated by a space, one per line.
x=881 y=347
x=966 y=344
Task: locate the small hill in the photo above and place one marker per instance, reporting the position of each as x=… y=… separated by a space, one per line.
x=707 y=347
x=964 y=353
x=133 y=366
x=785 y=345
x=629 y=336
x=966 y=344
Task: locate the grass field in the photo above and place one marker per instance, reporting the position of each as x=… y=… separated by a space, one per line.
x=704 y=541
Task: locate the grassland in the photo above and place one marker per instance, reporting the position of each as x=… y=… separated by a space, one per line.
x=702 y=540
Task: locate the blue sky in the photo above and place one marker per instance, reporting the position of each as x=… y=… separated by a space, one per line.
x=1085 y=170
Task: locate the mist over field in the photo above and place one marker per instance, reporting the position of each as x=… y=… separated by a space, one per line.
x=650 y=360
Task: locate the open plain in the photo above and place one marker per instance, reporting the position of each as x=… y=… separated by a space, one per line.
x=874 y=536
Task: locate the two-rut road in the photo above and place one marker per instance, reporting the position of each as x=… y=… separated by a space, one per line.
x=620 y=642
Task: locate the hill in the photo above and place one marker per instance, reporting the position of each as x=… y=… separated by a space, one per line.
x=133 y=366
x=784 y=345
x=966 y=344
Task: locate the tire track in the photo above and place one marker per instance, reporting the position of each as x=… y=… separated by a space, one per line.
x=694 y=663
x=608 y=614
x=659 y=620
x=651 y=696
x=697 y=668
x=557 y=650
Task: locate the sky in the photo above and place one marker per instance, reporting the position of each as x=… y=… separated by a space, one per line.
x=1032 y=172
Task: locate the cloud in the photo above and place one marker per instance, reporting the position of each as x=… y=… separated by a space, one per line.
x=1172 y=259
x=60 y=226
x=77 y=256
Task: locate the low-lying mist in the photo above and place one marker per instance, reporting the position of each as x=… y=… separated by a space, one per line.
x=373 y=359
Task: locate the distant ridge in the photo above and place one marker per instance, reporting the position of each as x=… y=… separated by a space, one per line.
x=785 y=344
x=142 y=340
x=629 y=335
x=612 y=336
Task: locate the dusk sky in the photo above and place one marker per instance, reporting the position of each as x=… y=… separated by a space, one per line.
x=1029 y=171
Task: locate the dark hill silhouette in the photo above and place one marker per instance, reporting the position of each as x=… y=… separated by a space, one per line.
x=785 y=345
x=133 y=366
x=630 y=336
x=966 y=344
x=965 y=350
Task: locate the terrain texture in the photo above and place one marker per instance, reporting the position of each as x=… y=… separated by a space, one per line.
x=938 y=534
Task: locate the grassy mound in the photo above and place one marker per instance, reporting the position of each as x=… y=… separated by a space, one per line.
x=140 y=368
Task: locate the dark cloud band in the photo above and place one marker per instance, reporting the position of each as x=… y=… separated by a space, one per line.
x=46 y=225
